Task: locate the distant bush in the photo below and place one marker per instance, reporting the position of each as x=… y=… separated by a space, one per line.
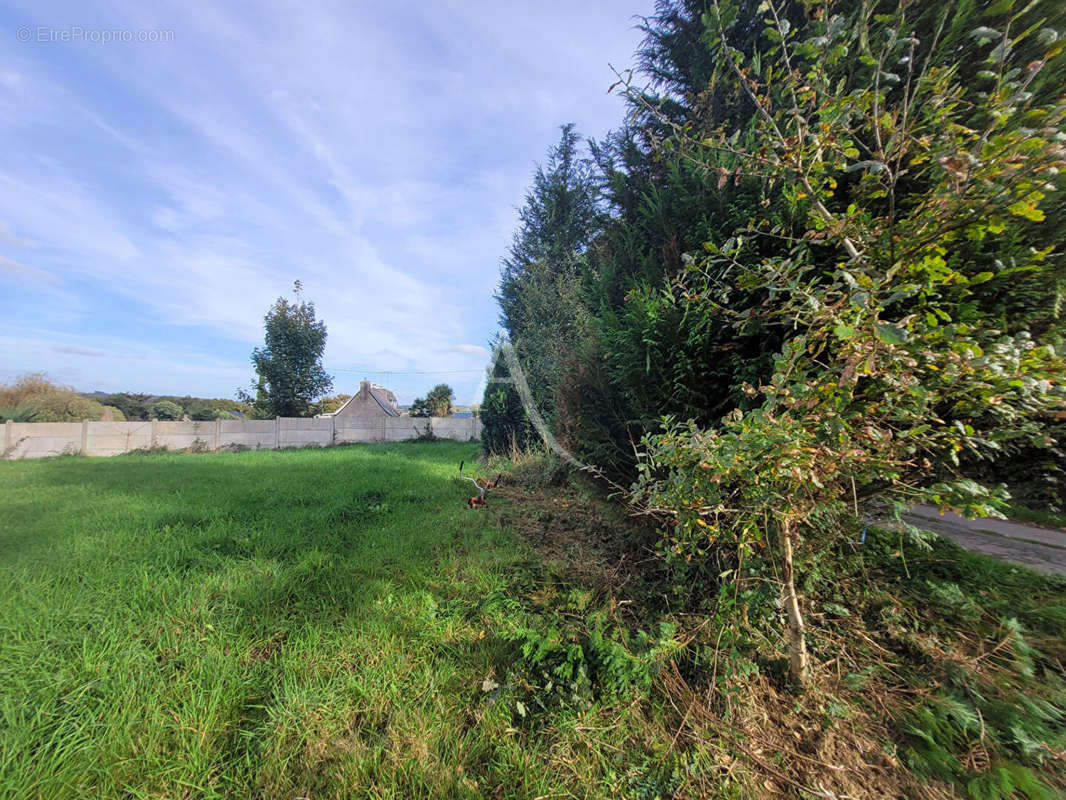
x=15 y=394
x=507 y=430
x=16 y=415
x=34 y=398
x=62 y=406
x=166 y=410
x=204 y=412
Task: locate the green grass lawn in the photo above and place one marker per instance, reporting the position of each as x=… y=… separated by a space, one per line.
x=312 y=623
x=336 y=623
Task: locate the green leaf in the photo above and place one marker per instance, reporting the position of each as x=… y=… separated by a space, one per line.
x=890 y=334
x=1027 y=209
x=835 y=608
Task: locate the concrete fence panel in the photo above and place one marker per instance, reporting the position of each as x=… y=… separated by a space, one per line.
x=40 y=439
x=300 y=432
x=113 y=438
x=461 y=429
x=184 y=435
x=399 y=429
x=255 y=434
x=355 y=430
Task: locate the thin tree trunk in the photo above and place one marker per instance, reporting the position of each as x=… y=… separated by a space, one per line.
x=797 y=643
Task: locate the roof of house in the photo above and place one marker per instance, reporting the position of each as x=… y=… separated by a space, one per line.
x=388 y=409
x=371 y=389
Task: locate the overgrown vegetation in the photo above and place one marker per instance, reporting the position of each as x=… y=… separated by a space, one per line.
x=824 y=283
x=34 y=398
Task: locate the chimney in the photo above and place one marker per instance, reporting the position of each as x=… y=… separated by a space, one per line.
x=364 y=385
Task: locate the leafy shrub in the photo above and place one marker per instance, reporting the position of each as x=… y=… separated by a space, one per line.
x=506 y=430
x=62 y=406
x=165 y=410
x=27 y=386
x=203 y=412
x=985 y=745
x=894 y=368
x=16 y=415
x=34 y=398
x=577 y=657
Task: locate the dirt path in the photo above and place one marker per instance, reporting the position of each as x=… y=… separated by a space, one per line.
x=1042 y=549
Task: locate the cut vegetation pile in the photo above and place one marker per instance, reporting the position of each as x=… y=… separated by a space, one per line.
x=336 y=623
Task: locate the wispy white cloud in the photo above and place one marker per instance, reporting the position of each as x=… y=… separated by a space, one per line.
x=88 y=352
x=377 y=153
x=13 y=269
x=471 y=349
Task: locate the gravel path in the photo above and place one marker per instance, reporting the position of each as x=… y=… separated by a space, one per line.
x=1042 y=549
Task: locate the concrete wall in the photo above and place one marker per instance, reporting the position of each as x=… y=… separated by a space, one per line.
x=39 y=439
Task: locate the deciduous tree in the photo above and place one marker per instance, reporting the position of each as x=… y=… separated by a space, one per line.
x=289 y=365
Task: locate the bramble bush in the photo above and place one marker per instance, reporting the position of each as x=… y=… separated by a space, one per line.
x=912 y=184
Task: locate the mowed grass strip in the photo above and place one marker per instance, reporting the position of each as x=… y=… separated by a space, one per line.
x=261 y=624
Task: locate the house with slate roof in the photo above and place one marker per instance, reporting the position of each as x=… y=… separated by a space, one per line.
x=371 y=401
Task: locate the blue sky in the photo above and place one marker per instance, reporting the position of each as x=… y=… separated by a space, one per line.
x=157 y=196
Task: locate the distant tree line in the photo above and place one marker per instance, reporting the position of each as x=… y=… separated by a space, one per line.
x=141 y=406
x=35 y=398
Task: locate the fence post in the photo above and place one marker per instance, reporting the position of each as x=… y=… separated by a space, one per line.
x=7 y=436
x=85 y=437
x=153 y=437
x=277 y=433
x=218 y=435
